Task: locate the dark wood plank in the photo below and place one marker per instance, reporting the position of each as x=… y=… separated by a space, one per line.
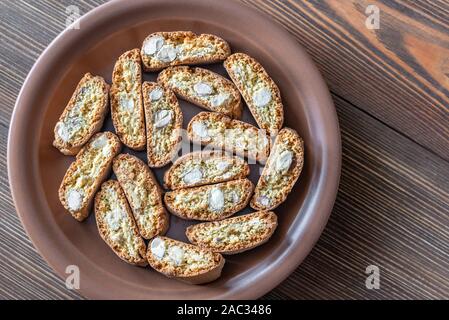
x=398 y=73
x=392 y=205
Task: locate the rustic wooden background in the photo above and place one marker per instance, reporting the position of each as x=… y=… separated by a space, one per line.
x=391 y=90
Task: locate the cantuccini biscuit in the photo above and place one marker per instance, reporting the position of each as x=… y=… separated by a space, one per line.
x=260 y=92
x=234 y=235
x=210 y=202
x=281 y=171
x=204 y=167
x=143 y=193
x=163 y=119
x=220 y=131
x=203 y=88
x=84 y=176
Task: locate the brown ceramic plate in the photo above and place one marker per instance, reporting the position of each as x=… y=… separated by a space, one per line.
x=36 y=168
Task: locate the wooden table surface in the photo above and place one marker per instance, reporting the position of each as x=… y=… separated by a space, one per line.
x=391 y=90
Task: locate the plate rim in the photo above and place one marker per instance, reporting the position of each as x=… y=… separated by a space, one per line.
x=17 y=178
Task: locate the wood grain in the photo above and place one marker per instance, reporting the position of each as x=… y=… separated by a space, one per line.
x=391 y=97
x=398 y=73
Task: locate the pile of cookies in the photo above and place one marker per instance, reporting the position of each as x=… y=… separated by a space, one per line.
x=208 y=185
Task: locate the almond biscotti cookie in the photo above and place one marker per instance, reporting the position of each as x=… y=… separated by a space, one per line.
x=220 y=131
x=143 y=193
x=211 y=202
x=163 y=118
x=83 y=115
x=184 y=262
x=234 y=235
x=281 y=171
x=259 y=91
x=126 y=100
x=117 y=226
x=163 y=49
x=204 y=167
x=84 y=176
x=203 y=88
